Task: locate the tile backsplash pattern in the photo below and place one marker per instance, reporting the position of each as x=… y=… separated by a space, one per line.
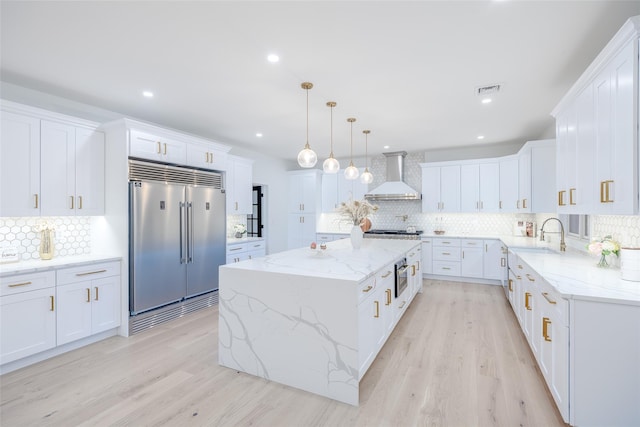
x=72 y=235
x=233 y=220
x=625 y=229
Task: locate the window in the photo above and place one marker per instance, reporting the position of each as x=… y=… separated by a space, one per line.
x=254 y=221
x=577 y=226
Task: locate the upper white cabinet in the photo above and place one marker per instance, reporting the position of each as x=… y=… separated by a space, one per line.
x=239 y=185
x=440 y=188
x=336 y=189
x=19 y=165
x=206 y=157
x=72 y=168
x=152 y=147
x=51 y=164
x=536 y=177
x=480 y=188
x=305 y=191
x=596 y=124
x=508 y=171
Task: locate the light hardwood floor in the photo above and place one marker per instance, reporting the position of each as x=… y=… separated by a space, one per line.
x=457 y=358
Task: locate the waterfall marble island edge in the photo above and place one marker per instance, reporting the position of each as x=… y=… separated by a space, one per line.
x=295 y=317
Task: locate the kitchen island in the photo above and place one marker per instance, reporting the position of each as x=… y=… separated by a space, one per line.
x=315 y=319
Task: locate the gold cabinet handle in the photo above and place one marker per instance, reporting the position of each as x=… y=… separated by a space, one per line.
x=446 y=268
x=531 y=279
x=520 y=266
x=602 y=192
x=500 y=204
x=524 y=203
x=561 y=198
x=15 y=285
x=88 y=295
x=545 y=328
x=377 y=304
x=518 y=204
x=571 y=191
x=384 y=276
x=527 y=295
x=549 y=300
x=79 y=202
x=402 y=305
x=97 y=298
x=503 y=262
x=36 y=200
x=608 y=187
x=165 y=149
x=367 y=289
x=510 y=285
x=71 y=201
x=388 y=292
x=91 y=272
x=159 y=147
x=52 y=303
x=418 y=265
x=237 y=207
x=413 y=270
x=519 y=277
x=448 y=253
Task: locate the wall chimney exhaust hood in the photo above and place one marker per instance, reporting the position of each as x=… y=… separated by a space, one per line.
x=394 y=188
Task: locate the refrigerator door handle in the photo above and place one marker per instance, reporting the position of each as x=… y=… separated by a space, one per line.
x=182 y=232
x=189 y=232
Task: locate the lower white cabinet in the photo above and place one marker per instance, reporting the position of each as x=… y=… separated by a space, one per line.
x=237 y=252
x=471 y=258
x=329 y=237
x=426 y=267
x=370 y=325
x=27 y=315
x=495 y=260
x=88 y=300
x=302 y=230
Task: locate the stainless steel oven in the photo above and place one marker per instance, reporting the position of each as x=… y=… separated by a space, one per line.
x=401 y=276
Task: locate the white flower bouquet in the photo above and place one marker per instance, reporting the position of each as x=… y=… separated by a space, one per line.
x=356 y=211
x=239 y=229
x=602 y=248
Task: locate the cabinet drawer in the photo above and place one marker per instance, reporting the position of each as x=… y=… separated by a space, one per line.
x=256 y=245
x=236 y=248
x=66 y=276
x=320 y=237
x=447 y=268
x=446 y=254
x=19 y=283
x=438 y=241
x=553 y=302
x=471 y=243
x=366 y=288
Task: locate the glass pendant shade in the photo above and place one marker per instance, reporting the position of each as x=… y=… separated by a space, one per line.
x=351 y=172
x=331 y=165
x=366 y=177
x=307 y=158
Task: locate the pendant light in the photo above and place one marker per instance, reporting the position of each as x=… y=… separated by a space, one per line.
x=351 y=172
x=331 y=165
x=307 y=157
x=366 y=177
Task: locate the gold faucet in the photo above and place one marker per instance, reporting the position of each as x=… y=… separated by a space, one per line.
x=563 y=246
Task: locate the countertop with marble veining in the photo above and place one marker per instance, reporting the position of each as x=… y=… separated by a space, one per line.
x=338 y=261
x=33 y=266
x=235 y=241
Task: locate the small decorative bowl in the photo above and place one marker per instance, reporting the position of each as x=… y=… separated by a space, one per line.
x=438 y=232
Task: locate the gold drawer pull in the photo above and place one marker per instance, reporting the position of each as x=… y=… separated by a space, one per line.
x=446 y=253
x=367 y=289
x=527 y=295
x=52 y=302
x=386 y=275
x=79 y=202
x=388 y=292
x=510 y=285
x=377 y=304
x=15 y=285
x=413 y=270
x=546 y=296
x=561 y=198
x=446 y=268
x=402 y=305
x=545 y=328
x=530 y=278
x=91 y=272
x=159 y=148
x=235 y=249
x=571 y=191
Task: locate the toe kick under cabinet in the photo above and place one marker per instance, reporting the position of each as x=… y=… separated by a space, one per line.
x=42 y=311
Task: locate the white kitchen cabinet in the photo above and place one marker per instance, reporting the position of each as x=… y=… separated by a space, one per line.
x=494 y=260
x=471 y=258
x=440 y=188
x=370 y=325
x=239 y=185
x=414 y=274
x=88 y=300
x=241 y=251
x=206 y=157
x=536 y=177
x=508 y=167
x=329 y=237
x=524 y=180
x=329 y=192
x=480 y=187
x=426 y=266
x=385 y=281
x=27 y=315
x=305 y=191
x=72 y=170
x=145 y=145
x=616 y=137
x=19 y=165
x=446 y=256
x=350 y=189
x=301 y=230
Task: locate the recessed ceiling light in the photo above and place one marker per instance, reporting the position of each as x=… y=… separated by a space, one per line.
x=486 y=100
x=480 y=136
x=147 y=94
x=386 y=147
x=259 y=135
x=273 y=58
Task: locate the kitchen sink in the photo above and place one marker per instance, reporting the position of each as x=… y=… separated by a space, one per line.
x=540 y=250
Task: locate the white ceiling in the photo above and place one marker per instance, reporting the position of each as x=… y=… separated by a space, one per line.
x=406 y=70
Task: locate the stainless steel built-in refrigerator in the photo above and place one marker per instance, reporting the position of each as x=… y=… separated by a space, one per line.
x=177 y=234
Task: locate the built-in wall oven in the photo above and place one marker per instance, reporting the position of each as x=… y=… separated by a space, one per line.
x=401 y=276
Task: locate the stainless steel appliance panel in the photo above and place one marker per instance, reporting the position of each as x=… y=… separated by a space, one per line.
x=206 y=240
x=401 y=268
x=157 y=265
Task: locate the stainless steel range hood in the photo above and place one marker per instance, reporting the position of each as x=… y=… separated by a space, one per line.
x=394 y=188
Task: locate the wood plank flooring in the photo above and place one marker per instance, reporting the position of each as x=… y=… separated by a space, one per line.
x=457 y=358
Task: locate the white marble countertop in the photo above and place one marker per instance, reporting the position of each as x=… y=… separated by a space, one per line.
x=234 y=241
x=338 y=261
x=33 y=266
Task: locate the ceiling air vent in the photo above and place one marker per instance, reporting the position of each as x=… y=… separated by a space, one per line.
x=486 y=90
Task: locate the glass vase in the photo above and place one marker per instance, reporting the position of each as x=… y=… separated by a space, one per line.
x=46 y=244
x=603 y=263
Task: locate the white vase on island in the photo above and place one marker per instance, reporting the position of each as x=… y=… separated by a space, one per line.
x=356 y=237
